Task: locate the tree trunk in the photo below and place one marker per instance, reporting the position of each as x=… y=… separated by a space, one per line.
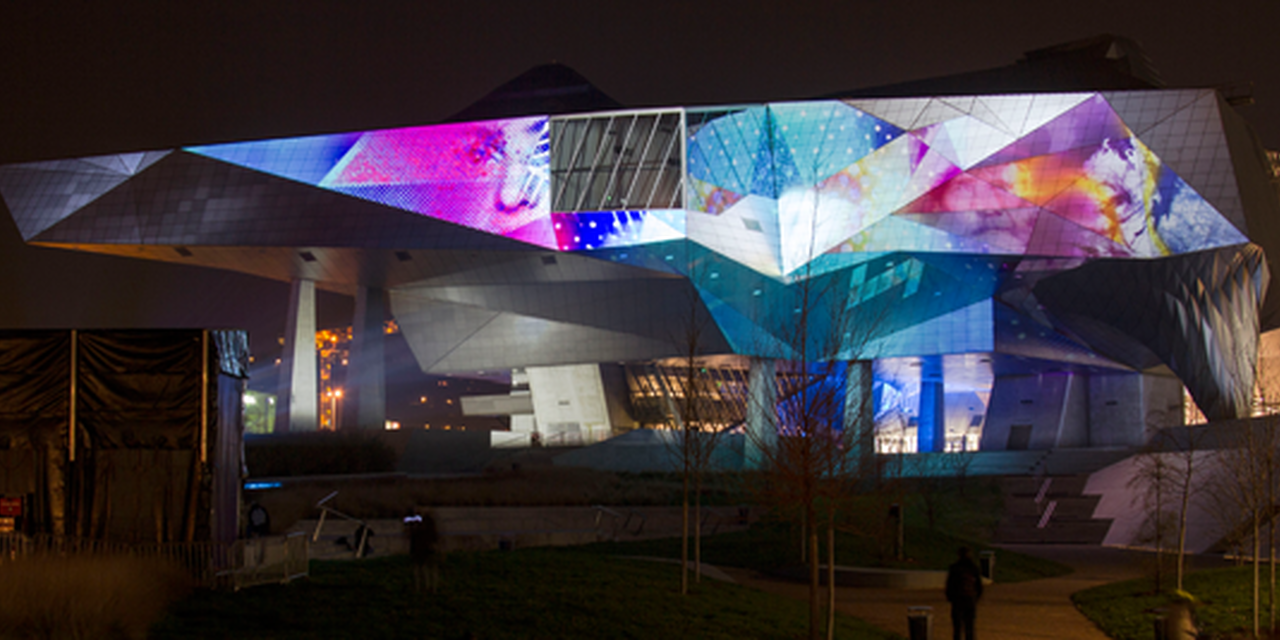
x=1159 y=548
x=804 y=539
x=815 y=612
x=831 y=576
x=684 y=532
x=697 y=528
x=1257 y=590
x=1182 y=518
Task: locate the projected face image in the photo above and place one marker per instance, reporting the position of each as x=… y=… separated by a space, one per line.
x=492 y=176
x=1122 y=183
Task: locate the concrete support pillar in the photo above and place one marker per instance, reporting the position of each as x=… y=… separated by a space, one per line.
x=762 y=413
x=296 y=402
x=931 y=433
x=366 y=392
x=859 y=409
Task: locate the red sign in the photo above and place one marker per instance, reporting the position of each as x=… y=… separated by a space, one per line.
x=10 y=507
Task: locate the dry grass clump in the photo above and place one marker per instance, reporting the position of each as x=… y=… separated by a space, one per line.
x=81 y=597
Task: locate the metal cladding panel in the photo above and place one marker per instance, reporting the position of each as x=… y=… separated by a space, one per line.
x=905 y=226
x=185 y=199
x=446 y=337
x=1198 y=313
x=458 y=328
x=40 y=194
x=1260 y=198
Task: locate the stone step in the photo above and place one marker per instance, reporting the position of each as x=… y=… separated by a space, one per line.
x=1032 y=486
x=1076 y=508
x=1027 y=499
x=1090 y=532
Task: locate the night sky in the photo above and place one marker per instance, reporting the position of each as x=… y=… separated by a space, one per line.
x=82 y=78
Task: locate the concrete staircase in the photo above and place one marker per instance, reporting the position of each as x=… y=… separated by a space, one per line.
x=1049 y=510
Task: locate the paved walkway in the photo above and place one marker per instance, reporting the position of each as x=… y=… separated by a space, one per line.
x=1023 y=610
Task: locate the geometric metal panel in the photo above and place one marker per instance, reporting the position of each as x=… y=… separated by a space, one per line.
x=40 y=194
x=618 y=161
x=1197 y=312
x=1080 y=227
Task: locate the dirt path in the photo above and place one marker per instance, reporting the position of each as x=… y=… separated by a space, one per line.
x=1024 y=610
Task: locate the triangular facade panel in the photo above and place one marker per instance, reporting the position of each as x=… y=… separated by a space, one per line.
x=41 y=196
x=936 y=111
x=1191 y=143
x=1142 y=110
x=165 y=206
x=901 y=112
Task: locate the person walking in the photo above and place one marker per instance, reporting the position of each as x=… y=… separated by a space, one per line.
x=964 y=589
x=424 y=552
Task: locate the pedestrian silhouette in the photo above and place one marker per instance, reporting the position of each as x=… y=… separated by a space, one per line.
x=424 y=552
x=964 y=589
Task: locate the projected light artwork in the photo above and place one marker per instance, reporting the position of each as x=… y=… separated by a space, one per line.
x=829 y=178
x=490 y=176
x=1063 y=232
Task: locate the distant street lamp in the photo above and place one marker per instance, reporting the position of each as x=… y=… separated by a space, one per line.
x=334 y=396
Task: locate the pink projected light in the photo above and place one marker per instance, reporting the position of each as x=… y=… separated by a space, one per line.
x=490 y=176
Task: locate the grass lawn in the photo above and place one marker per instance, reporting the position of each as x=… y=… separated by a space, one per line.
x=1123 y=609
x=589 y=591
x=768 y=548
x=529 y=593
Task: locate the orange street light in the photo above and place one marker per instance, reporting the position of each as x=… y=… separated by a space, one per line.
x=334 y=396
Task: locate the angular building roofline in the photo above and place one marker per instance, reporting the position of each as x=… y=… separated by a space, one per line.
x=549 y=89
x=1103 y=62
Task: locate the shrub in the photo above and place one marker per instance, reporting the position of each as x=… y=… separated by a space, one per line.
x=318 y=454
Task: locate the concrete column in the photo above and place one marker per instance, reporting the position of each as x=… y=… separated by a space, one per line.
x=296 y=403
x=859 y=408
x=366 y=391
x=931 y=433
x=762 y=413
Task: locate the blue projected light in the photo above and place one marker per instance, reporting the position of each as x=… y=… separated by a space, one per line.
x=942 y=225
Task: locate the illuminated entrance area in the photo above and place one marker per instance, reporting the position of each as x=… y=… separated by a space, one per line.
x=910 y=391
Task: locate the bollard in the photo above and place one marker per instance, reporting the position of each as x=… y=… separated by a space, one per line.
x=987 y=565
x=1175 y=622
x=920 y=623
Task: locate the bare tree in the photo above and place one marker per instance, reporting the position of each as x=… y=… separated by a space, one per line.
x=700 y=421
x=696 y=410
x=1167 y=478
x=1243 y=491
x=824 y=444
x=1186 y=465
x=1155 y=480
x=816 y=323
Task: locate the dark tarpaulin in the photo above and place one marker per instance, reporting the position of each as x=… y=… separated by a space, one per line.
x=148 y=462
x=139 y=390
x=35 y=385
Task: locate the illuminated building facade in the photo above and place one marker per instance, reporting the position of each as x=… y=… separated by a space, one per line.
x=1023 y=271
